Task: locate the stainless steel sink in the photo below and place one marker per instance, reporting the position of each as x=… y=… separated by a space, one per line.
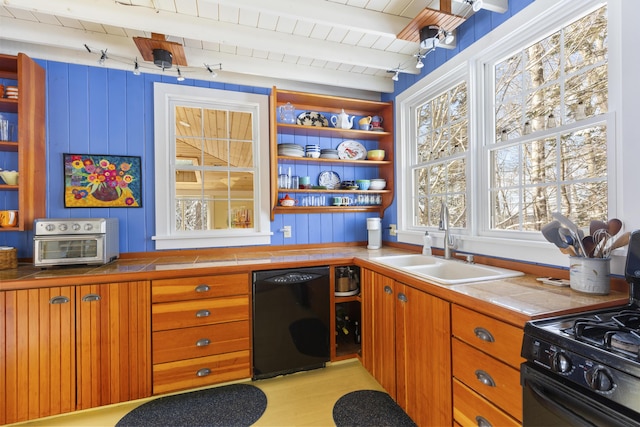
x=445 y=272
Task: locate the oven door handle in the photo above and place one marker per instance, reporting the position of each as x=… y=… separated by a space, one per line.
x=557 y=408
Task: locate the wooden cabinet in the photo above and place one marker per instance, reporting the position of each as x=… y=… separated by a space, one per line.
x=331 y=137
x=406 y=347
x=69 y=348
x=486 y=369
x=201 y=331
x=24 y=152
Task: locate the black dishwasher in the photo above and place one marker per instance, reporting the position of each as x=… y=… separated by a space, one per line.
x=290 y=320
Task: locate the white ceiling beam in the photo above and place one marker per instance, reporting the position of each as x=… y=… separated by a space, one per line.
x=146 y=19
x=123 y=52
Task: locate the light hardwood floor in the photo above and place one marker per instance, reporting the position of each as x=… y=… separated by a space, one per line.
x=301 y=399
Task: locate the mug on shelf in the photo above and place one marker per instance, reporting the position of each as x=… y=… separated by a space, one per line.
x=8 y=218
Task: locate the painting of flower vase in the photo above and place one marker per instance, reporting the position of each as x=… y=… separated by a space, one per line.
x=95 y=181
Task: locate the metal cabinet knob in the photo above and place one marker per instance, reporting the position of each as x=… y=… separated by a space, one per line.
x=485 y=378
x=388 y=290
x=203 y=342
x=483 y=422
x=59 y=300
x=483 y=334
x=402 y=297
x=91 y=297
x=203 y=372
x=202 y=288
x=203 y=313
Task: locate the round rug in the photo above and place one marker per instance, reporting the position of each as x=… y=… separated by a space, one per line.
x=230 y=405
x=368 y=408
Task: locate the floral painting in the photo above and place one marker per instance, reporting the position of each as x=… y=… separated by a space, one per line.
x=94 y=181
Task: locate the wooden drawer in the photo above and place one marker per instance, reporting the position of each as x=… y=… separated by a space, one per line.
x=473 y=327
x=185 y=314
x=470 y=409
x=191 y=373
x=189 y=288
x=190 y=343
x=506 y=392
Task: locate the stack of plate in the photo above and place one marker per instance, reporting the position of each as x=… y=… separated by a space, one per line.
x=293 y=150
x=11 y=92
x=328 y=153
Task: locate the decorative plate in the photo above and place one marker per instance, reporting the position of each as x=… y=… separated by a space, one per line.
x=329 y=179
x=351 y=150
x=310 y=118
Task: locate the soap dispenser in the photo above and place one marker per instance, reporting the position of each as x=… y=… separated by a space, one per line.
x=426 y=248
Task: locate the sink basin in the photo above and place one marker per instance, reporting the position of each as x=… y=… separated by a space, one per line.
x=406 y=260
x=446 y=272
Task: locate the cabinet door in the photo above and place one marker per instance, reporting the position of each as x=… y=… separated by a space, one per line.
x=378 y=323
x=423 y=356
x=38 y=360
x=114 y=343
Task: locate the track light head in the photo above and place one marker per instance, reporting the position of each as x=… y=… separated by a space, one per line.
x=429 y=37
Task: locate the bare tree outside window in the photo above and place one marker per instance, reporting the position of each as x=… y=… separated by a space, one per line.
x=439 y=169
x=550 y=151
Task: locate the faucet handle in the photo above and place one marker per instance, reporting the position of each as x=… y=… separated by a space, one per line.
x=453 y=243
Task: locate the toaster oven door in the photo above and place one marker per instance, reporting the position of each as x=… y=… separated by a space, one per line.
x=68 y=250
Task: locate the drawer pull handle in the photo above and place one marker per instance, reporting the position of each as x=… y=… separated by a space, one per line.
x=203 y=372
x=402 y=297
x=203 y=313
x=203 y=342
x=59 y=300
x=202 y=288
x=483 y=334
x=485 y=378
x=91 y=297
x=388 y=290
x=483 y=422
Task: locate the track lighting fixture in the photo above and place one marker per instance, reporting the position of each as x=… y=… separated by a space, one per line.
x=211 y=71
x=429 y=37
x=103 y=57
x=180 y=76
x=162 y=58
x=419 y=64
x=136 y=68
x=396 y=76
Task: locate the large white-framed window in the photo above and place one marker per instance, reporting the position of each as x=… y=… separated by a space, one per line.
x=499 y=163
x=212 y=188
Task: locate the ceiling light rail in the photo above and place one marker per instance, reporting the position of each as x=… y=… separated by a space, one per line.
x=161 y=59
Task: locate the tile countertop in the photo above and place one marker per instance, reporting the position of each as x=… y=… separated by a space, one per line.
x=515 y=300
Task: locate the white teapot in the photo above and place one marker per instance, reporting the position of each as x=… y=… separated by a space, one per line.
x=10 y=177
x=342 y=120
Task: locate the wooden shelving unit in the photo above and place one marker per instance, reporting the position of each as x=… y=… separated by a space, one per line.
x=329 y=105
x=22 y=71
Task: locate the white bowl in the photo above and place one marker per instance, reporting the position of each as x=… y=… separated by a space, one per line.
x=377 y=184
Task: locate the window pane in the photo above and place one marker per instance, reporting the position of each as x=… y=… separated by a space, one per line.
x=540 y=161
x=584 y=154
x=586 y=41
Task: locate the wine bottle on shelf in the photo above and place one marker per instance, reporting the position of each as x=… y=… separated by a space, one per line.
x=356 y=332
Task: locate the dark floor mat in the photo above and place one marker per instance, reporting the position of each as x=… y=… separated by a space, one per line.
x=231 y=405
x=369 y=408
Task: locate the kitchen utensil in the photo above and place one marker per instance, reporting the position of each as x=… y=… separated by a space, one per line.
x=600 y=237
x=621 y=241
x=595 y=225
x=566 y=237
x=588 y=246
x=551 y=233
x=614 y=226
x=573 y=228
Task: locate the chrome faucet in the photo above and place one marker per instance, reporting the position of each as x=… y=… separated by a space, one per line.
x=449 y=241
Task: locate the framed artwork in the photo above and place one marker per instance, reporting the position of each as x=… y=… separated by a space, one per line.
x=102 y=181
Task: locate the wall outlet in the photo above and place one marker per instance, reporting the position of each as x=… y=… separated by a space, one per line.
x=393 y=229
x=287 y=231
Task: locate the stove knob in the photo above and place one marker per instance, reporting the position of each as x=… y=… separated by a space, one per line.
x=599 y=379
x=75 y=226
x=561 y=363
x=62 y=227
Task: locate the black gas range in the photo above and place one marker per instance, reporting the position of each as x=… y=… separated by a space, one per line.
x=584 y=369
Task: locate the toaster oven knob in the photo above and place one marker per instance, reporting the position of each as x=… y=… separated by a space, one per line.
x=50 y=227
x=62 y=227
x=75 y=226
x=88 y=227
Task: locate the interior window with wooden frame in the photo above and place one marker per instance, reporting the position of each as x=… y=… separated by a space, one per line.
x=210 y=183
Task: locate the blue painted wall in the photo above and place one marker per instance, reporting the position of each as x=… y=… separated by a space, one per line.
x=97 y=110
